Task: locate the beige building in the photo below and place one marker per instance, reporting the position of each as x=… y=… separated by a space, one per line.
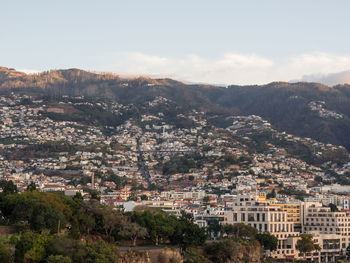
x=293 y=212
x=331 y=230
x=265 y=217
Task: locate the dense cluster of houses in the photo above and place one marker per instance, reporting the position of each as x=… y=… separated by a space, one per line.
x=126 y=165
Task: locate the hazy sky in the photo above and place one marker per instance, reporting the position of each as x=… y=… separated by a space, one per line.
x=218 y=41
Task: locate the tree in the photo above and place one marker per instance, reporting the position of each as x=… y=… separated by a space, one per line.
x=133 y=231
x=100 y=252
x=40 y=209
x=267 y=241
x=95 y=195
x=214 y=229
x=67 y=247
x=222 y=251
x=158 y=224
x=78 y=197
x=144 y=197
x=306 y=244
x=333 y=207
x=31 y=247
x=88 y=217
x=318 y=179
x=5 y=253
x=80 y=252
x=8 y=187
x=272 y=194
x=58 y=259
x=86 y=221
x=111 y=220
x=240 y=230
x=31 y=187
x=25 y=243
x=187 y=234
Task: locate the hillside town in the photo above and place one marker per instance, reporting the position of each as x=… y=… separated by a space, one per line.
x=244 y=172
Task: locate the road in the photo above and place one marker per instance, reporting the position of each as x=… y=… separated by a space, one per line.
x=144 y=169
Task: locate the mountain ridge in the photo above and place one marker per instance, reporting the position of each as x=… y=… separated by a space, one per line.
x=305 y=109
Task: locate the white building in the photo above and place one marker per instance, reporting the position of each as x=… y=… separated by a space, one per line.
x=265 y=218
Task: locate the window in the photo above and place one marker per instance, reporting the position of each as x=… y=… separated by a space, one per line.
x=234 y=216
x=250 y=217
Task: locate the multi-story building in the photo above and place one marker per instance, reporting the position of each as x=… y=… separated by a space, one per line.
x=286 y=221
x=293 y=212
x=182 y=195
x=265 y=217
x=331 y=229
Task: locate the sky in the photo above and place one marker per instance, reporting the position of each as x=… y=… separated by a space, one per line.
x=218 y=42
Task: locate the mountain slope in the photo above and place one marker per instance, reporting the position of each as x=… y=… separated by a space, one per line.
x=305 y=109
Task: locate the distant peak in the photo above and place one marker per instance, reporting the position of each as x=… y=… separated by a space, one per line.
x=10 y=73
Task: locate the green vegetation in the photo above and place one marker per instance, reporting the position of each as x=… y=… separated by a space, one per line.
x=87 y=114
x=239 y=239
x=181 y=164
x=333 y=207
x=54 y=228
x=267 y=241
x=51 y=228
x=306 y=244
x=292 y=192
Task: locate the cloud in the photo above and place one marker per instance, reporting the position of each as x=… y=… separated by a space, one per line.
x=329 y=79
x=29 y=71
x=230 y=68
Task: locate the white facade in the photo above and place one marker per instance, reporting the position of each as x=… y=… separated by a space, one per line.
x=330 y=230
x=265 y=218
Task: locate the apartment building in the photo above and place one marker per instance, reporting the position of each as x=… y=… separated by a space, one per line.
x=265 y=217
x=331 y=230
x=286 y=221
x=182 y=195
x=293 y=212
